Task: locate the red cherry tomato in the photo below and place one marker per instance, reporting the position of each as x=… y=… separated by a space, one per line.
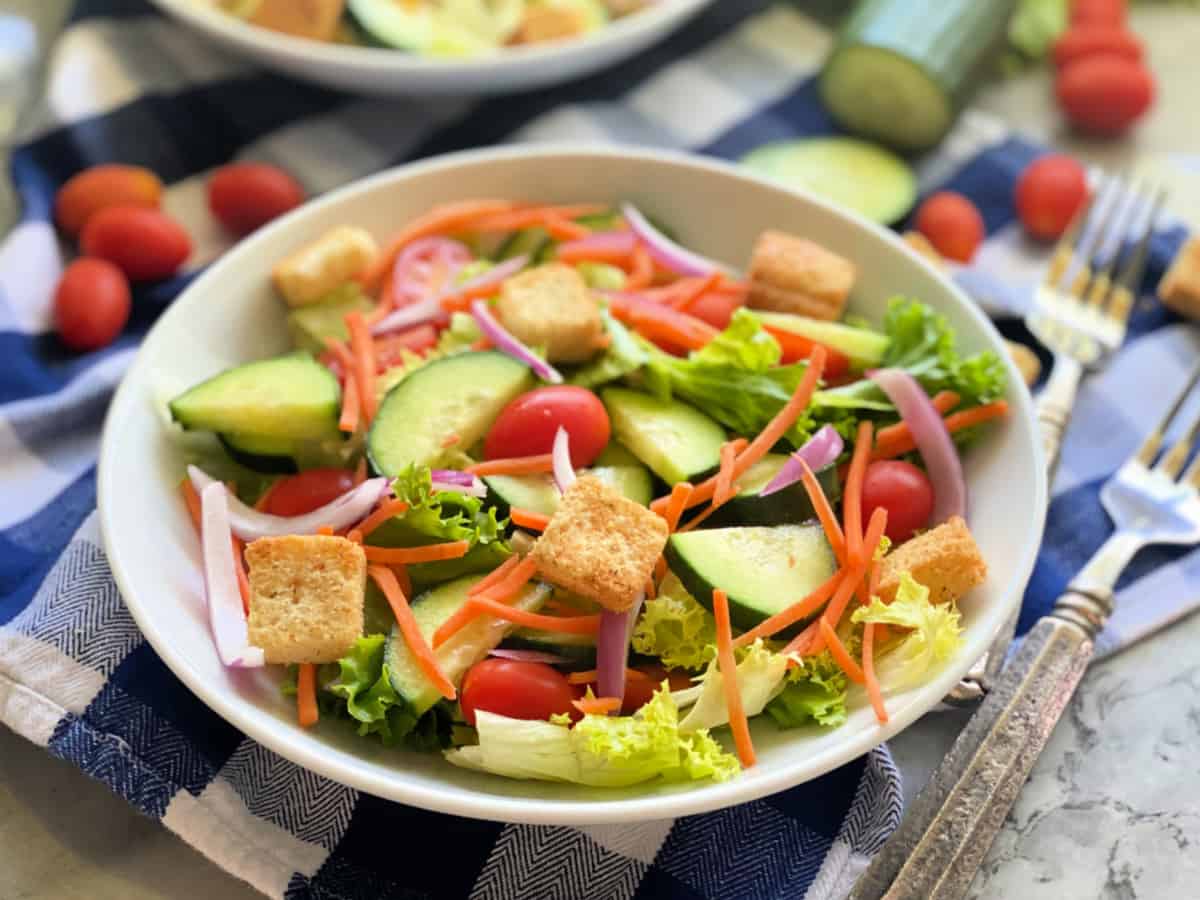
x=642 y=682
x=527 y=426
x=1098 y=12
x=1104 y=93
x=796 y=347
x=245 y=196
x=143 y=243
x=300 y=494
x=904 y=491
x=953 y=225
x=519 y=690
x=91 y=304
x=390 y=351
x=1049 y=192
x=716 y=309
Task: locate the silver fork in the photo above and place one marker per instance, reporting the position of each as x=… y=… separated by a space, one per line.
x=1081 y=313
x=944 y=836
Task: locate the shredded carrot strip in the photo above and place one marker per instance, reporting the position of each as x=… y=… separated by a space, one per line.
x=825 y=513
x=698 y=520
x=651 y=589
x=793 y=614
x=642 y=271
x=401 y=573
x=555 y=219
x=591 y=675
x=461 y=300
x=348 y=422
x=837 y=606
x=955 y=422
x=660 y=569
x=724 y=489
x=800 y=644
x=511 y=584
x=943 y=402
x=354 y=535
x=408 y=555
x=679 y=498
x=495 y=576
x=517 y=465
x=852 y=501
x=603 y=341
x=527 y=518
x=325 y=531
x=386 y=579
x=575 y=255
x=342 y=354
x=557 y=624
x=239 y=569
x=363 y=349
x=451 y=439
x=769 y=436
x=840 y=654
x=191 y=500
x=733 y=693
x=694 y=292
x=388 y=510
x=868 y=670
x=597 y=706
x=306 y=695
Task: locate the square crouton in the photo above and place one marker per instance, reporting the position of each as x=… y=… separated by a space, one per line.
x=309 y=274
x=600 y=544
x=551 y=307
x=790 y=274
x=1180 y=286
x=550 y=23
x=946 y=560
x=306 y=597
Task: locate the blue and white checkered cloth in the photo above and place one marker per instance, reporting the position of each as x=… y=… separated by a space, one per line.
x=75 y=675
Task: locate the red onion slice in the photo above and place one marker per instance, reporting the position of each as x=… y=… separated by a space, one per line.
x=471 y=490
x=564 y=474
x=606 y=242
x=612 y=649
x=415 y=265
x=453 y=476
x=932 y=439
x=507 y=343
x=249 y=524
x=665 y=251
x=819 y=451
x=414 y=314
x=226 y=616
x=536 y=656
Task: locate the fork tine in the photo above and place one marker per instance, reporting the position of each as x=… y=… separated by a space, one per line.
x=1108 y=220
x=1101 y=283
x=1129 y=279
x=1064 y=250
x=1153 y=442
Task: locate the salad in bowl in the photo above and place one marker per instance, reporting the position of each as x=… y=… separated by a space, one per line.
x=542 y=492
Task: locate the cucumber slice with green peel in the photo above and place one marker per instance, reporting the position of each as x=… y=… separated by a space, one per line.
x=457 y=396
x=607 y=221
x=901 y=69
x=531 y=242
x=762 y=570
x=578 y=648
x=676 y=441
x=787 y=506
x=290 y=397
x=848 y=172
x=272 y=456
x=864 y=347
x=538 y=493
x=405 y=26
x=616 y=455
x=309 y=326
x=466 y=647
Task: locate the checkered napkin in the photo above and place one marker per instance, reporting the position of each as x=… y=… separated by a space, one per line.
x=75 y=674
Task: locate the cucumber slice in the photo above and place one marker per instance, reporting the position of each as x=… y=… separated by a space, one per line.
x=468 y=645
x=676 y=441
x=616 y=455
x=864 y=347
x=310 y=325
x=851 y=173
x=530 y=242
x=270 y=455
x=290 y=397
x=460 y=395
x=579 y=648
x=406 y=26
x=602 y=276
x=790 y=505
x=762 y=570
x=538 y=493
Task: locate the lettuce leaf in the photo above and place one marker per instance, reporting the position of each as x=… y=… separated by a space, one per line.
x=624 y=356
x=760 y=674
x=815 y=691
x=361 y=691
x=676 y=628
x=444 y=515
x=602 y=751
x=935 y=635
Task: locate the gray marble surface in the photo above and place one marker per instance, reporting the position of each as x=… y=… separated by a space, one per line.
x=1112 y=810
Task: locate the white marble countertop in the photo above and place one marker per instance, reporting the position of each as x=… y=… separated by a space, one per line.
x=1112 y=810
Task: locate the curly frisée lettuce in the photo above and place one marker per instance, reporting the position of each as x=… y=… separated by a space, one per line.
x=676 y=628
x=934 y=638
x=445 y=515
x=600 y=751
x=760 y=674
x=815 y=691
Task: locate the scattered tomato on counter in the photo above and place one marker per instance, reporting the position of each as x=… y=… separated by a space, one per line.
x=1104 y=94
x=953 y=225
x=1082 y=41
x=91 y=304
x=1049 y=193
x=144 y=243
x=526 y=427
x=1098 y=12
x=101 y=187
x=904 y=491
x=245 y=196
x=518 y=690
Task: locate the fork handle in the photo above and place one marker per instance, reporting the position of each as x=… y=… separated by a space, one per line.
x=939 y=846
x=1054 y=406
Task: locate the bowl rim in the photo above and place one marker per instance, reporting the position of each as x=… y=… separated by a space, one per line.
x=395 y=61
x=703 y=797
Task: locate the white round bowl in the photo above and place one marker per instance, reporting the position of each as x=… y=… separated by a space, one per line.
x=229 y=315
x=372 y=70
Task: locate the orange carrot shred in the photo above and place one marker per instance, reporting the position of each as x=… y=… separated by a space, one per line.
x=724 y=489
x=583 y=677
x=955 y=422
x=869 y=678
x=484 y=343
x=738 y=723
x=651 y=589
x=496 y=575
x=239 y=569
x=389 y=509
x=191 y=499
x=837 y=606
x=943 y=402
x=407 y=622
x=325 y=531
x=840 y=654
x=451 y=439
x=401 y=573
x=354 y=535
x=597 y=706
x=410 y=555
x=679 y=498
x=800 y=644
x=792 y=614
x=348 y=422
x=698 y=520
x=684 y=301
x=642 y=272
x=363 y=350
x=501 y=590
x=517 y=465
x=852 y=501
x=556 y=624
x=527 y=518
x=825 y=513
x=306 y=695
x=660 y=569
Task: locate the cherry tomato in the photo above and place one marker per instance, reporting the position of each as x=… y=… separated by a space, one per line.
x=1049 y=192
x=1098 y=12
x=796 y=347
x=300 y=494
x=390 y=350
x=904 y=491
x=953 y=225
x=1081 y=41
x=143 y=243
x=245 y=196
x=100 y=187
x=716 y=309
x=519 y=690
x=527 y=426
x=642 y=682
x=1104 y=93
x=91 y=304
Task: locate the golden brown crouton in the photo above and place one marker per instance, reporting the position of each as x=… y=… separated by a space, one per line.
x=314 y=19
x=793 y=275
x=946 y=560
x=1027 y=361
x=551 y=307
x=310 y=273
x=549 y=23
x=306 y=597
x=600 y=545
x=1180 y=286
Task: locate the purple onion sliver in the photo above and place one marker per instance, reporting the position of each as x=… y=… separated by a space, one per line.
x=507 y=343
x=821 y=450
x=537 y=656
x=469 y=490
x=612 y=652
x=665 y=251
x=453 y=476
x=409 y=316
